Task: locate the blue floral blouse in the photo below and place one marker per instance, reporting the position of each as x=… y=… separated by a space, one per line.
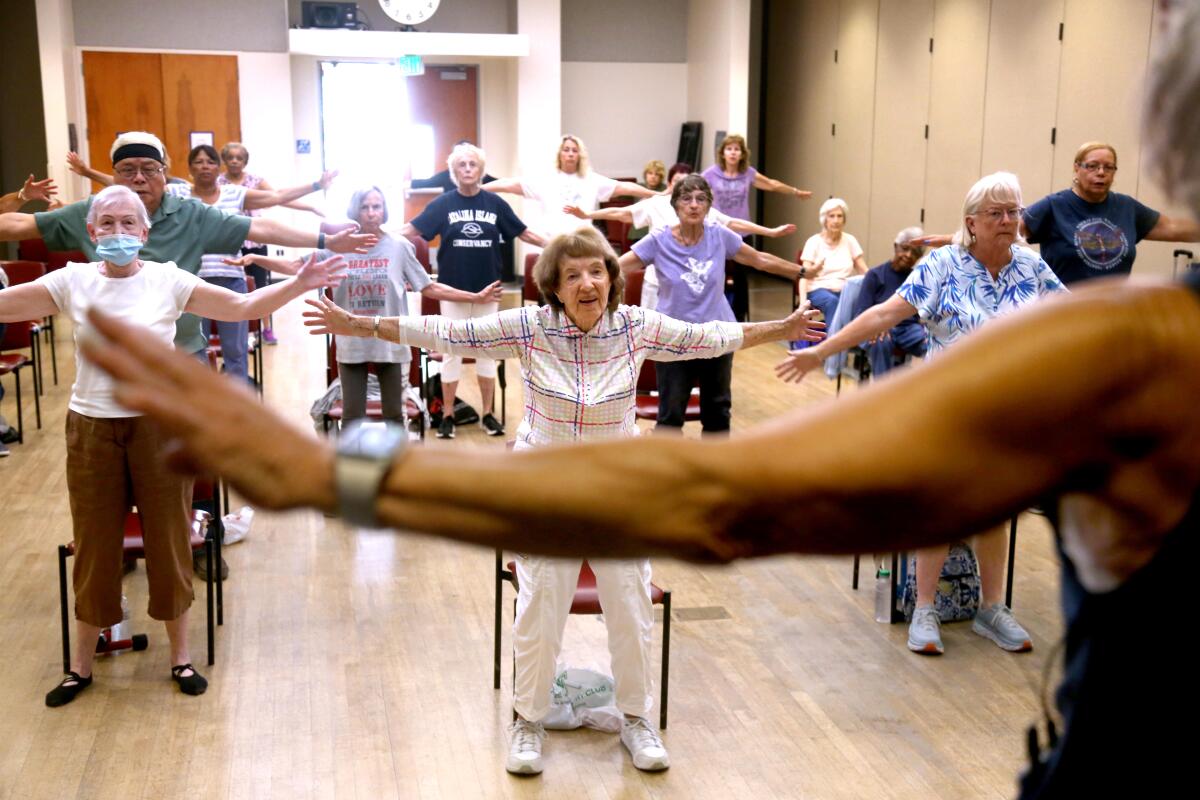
x=954 y=294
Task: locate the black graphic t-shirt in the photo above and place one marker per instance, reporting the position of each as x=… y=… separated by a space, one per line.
x=472 y=229
x=1082 y=240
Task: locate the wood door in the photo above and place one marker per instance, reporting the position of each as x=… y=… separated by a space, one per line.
x=447 y=99
x=200 y=93
x=123 y=92
x=167 y=94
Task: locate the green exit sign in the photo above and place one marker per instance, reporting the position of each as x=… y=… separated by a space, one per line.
x=411 y=65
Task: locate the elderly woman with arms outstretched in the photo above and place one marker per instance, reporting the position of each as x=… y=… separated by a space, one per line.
x=985 y=273
x=114 y=456
x=580 y=357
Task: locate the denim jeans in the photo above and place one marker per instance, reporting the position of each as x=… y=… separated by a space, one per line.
x=233 y=334
x=909 y=338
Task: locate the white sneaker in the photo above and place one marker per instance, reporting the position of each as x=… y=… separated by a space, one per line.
x=643 y=743
x=925 y=632
x=525 y=747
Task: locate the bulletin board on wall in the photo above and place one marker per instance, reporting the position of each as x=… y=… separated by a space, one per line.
x=168 y=94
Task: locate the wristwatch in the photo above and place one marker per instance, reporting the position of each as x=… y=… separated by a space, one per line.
x=365 y=453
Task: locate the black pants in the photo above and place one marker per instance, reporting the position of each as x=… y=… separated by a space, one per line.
x=675 y=382
x=391 y=390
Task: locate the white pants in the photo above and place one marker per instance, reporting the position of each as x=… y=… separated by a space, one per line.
x=547 y=586
x=452 y=365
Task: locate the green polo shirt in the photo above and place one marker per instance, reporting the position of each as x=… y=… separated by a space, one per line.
x=181 y=230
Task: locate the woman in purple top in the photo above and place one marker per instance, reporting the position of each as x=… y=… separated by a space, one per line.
x=731 y=179
x=690 y=259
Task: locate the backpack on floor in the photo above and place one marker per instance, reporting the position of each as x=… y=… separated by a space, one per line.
x=464 y=413
x=958 y=595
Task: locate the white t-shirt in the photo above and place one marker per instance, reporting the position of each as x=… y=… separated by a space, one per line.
x=657 y=212
x=153 y=298
x=839 y=261
x=561 y=189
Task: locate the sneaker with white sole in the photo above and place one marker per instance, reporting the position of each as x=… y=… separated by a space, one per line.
x=998 y=624
x=446 y=428
x=492 y=425
x=925 y=632
x=643 y=743
x=525 y=747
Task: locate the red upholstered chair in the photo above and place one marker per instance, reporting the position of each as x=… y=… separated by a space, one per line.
x=422 y=249
x=529 y=289
x=134 y=548
x=27 y=272
x=617 y=233
x=634 y=280
x=20 y=336
x=586 y=601
x=647 y=396
x=412 y=411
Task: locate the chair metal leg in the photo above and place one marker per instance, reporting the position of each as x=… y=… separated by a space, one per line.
x=62 y=603
x=1012 y=555
x=854 y=576
x=666 y=660
x=208 y=555
x=20 y=416
x=49 y=331
x=496 y=631
x=218 y=534
x=35 y=350
x=897 y=613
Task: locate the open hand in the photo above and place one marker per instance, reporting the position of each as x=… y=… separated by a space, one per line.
x=327 y=178
x=783 y=230
x=575 y=211
x=793 y=368
x=326 y=317
x=76 y=164
x=39 y=190
x=350 y=241
x=490 y=293
x=325 y=274
x=802 y=324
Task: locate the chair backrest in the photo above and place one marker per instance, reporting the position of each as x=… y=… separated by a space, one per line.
x=422 y=249
x=23 y=271
x=430 y=307
x=36 y=250
x=633 y=287
x=529 y=289
x=17 y=336
x=617 y=233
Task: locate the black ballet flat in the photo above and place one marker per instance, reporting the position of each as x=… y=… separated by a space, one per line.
x=65 y=692
x=193 y=684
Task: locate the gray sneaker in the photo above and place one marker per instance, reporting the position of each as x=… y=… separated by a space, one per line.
x=998 y=624
x=3 y=450
x=525 y=747
x=642 y=741
x=925 y=632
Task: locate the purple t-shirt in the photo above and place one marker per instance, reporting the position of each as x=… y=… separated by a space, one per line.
x=691 y=280
x=731 y=195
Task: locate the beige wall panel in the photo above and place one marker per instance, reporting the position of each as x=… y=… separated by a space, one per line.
x=898 y=153
x=801 y=40
x=1021 y=100
x=1153 y=258
x=1106 y=44
x=955 y=109
x=854 y=107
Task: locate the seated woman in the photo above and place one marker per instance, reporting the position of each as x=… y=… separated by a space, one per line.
x=376 y=284
x=114 y=456
x=569 y=399
x=832 y=256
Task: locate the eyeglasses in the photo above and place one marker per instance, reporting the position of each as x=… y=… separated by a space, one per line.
x=697 y=199
x=1098 y=166
x=997 y=214
x=150 y=171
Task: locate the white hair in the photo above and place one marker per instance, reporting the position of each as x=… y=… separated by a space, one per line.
x=830 y=205
x=1172 y=123
x=466 y=150
x=110 y=195
x=908 y=234
x=999 y=187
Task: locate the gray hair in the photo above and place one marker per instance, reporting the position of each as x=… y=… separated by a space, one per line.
x=466 y=150
x=356 y=201
x=1171 y=124
x=999 y=187
x=831 y=204
x=908 y=234
x=113 y=194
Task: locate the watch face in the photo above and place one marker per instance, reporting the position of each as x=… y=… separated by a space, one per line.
x=409 y=12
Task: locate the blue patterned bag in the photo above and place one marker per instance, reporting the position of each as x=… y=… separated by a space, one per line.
x=957 y=595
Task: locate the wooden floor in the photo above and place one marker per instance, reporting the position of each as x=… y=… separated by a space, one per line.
x=357 y=664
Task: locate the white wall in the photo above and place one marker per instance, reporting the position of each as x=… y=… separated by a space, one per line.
x=718 y=79
x=62 y=92
x=626 y=113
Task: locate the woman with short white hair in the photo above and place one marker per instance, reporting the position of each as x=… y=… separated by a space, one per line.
x=985 y=273
x=114 y=455
x=830 y=257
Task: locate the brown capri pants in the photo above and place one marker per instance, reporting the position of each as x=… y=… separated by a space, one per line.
x=113 y=463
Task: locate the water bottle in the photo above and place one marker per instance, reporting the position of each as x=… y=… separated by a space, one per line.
x=883 y=595
x=120 y=631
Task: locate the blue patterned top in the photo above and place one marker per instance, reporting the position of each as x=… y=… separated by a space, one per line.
x=954 y=294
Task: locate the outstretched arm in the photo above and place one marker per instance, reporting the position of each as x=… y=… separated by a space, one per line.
x=506 y=185
x=80 y=167
x=864 y=327
x=627 y=189
x=1175 y=229
x=26 y=301
x=766 y=262
x=217 y=302
x=259 y=198
x=771 y=185
x=43 y=190
x=745 y=227
x=269 y=231
x=939 y=452
x=15 y=226
x=617 y=213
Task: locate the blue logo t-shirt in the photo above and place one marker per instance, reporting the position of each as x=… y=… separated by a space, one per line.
x=1082 y=240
